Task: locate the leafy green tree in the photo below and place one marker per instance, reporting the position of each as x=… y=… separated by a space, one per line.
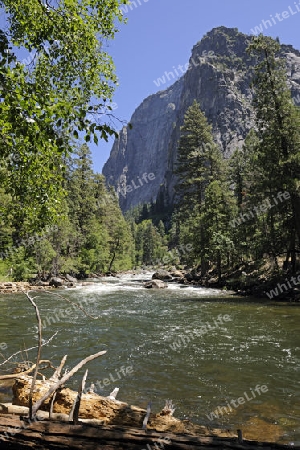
x=120 y=240
x=44 y=255
x=47 y=104
x=64 y=242
x=22 y=266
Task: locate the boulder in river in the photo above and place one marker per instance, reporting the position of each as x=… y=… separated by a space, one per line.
x=176 y=274
x=71 y=279
x=155 y=284
x=161 y=274
x=56 y=282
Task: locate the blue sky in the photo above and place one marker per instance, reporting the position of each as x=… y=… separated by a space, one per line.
x=160 y=34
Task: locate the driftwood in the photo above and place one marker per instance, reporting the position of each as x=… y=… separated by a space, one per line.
x=74 y=414
x=105 y=411
x=56 y=376
x=16 y=434
x=37 y=313
x=51 y=405
x=145 y=421
x=63 y=380
x=13 y=376
x=56 y=382
x=27 y=350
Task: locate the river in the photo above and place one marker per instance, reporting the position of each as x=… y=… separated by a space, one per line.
x=206 y=351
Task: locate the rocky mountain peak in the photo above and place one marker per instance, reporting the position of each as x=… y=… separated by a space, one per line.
x=142 y=160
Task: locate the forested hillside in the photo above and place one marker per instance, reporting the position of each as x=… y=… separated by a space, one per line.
x=59 y=217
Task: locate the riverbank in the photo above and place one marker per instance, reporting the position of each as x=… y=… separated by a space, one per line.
x=106 y=413
x=13 y=287
x=247 y=281
x=250 y=280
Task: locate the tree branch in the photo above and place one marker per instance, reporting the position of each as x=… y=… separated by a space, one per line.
x=38 y=352
x=28 y=349
x=26 y=372
x=65 y=378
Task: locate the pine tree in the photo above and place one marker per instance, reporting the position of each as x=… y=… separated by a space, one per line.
x=82 y=203
x=216 y=215
x=198 y=160
x=200 y=164
x=278 y=154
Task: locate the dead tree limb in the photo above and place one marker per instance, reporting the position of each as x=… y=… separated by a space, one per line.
x=51 y=405
x=12 y=376
x=56 y=376
x=145 y=421
x=65 y=378
x=74 y=414
x=28 y=349
x=38 y=357
x=240 y=436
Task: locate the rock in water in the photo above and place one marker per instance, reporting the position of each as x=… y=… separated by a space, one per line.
x=163 y=275
x=56 y=282
x=71 y=279
x=155 y=284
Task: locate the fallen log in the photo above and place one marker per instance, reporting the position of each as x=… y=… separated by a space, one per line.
x=92 y=406
x=17 y=434
x=58 y=384
x=105 y=410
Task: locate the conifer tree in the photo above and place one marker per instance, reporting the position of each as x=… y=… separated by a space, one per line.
x=198 y=160
x=200 y=170
x=278 y=153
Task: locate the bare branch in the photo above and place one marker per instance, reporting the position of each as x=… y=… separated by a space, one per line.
x=56 y=376
x=51 y=405
x=145 y=421
x=65 y=378
x=28 y=349
x=74 y=414
x=38 y=357
x=26 y=372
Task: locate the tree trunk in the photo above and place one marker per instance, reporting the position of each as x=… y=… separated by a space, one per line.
x=295 y=199
x=16 y=434
x=114 y=254
x=219 y=266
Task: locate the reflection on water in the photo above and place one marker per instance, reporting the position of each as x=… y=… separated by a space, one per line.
x=158 y=333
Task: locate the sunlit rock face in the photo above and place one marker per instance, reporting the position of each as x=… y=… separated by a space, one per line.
x=142 y=160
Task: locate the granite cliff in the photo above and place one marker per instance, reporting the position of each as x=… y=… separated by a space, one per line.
x=219 y=77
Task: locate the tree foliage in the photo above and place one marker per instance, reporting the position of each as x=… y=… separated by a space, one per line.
x=204 y=203
x=61 y=95
x=277 y=154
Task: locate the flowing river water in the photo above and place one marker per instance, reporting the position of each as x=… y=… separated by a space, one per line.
x=206 y=351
